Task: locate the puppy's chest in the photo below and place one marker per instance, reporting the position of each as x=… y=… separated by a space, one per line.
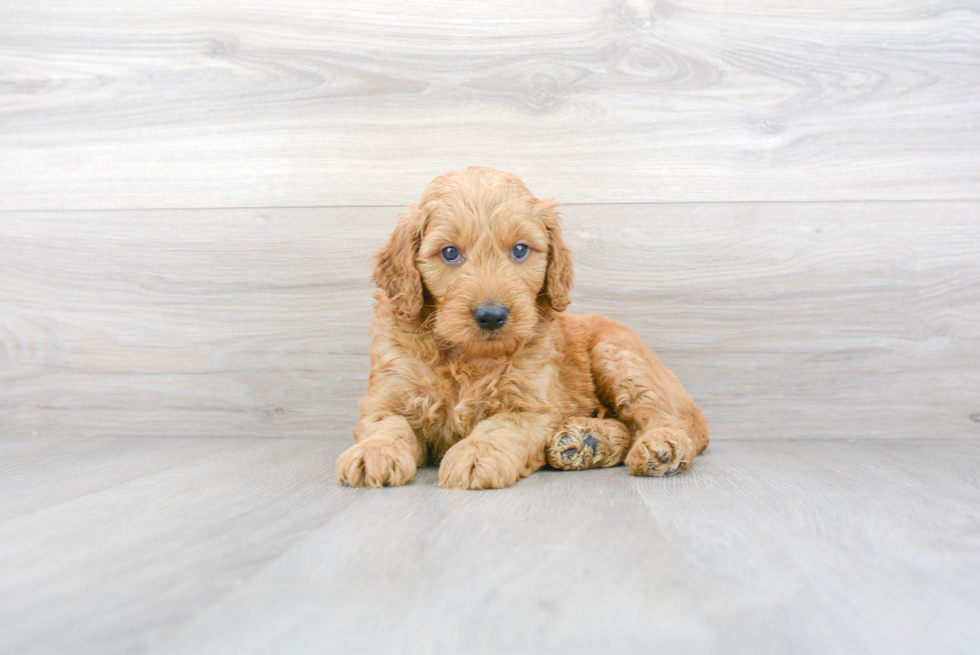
x=453 y=400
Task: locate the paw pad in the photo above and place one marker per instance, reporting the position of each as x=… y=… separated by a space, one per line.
x=572 y=451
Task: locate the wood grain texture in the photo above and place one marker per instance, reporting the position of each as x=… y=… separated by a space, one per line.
x=762 y=547
x=235 y=104
x=799 y=320
x=36 y=473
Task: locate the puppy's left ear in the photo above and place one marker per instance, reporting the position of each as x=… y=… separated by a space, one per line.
x=558 y=278
x=394 y=266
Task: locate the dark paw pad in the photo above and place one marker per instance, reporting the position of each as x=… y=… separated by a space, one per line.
x=656 y=466
x=574 y=450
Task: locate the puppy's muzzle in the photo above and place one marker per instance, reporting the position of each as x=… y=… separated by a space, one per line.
x=490 y=317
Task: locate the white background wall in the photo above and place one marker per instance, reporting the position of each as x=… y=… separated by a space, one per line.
x=782 y=197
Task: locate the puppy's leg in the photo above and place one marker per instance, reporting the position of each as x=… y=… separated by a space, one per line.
x=585 y=443
x=386 y=454
x=668 y=428
x=497 y=453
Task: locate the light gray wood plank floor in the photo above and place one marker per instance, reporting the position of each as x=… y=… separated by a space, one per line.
x=149 y=545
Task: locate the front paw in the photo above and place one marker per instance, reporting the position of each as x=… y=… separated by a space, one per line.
x=661 y=451
x=374 y=463
x=476 y=464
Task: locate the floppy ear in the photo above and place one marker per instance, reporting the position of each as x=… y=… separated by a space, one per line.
x=558 y=278
x=395 y=272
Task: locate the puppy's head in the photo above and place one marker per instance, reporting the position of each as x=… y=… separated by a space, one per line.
x=481 y=257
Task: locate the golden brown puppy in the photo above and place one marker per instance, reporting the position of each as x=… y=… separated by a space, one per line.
x=475 y=366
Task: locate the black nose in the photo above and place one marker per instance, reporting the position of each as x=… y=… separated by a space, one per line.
x=490 y=317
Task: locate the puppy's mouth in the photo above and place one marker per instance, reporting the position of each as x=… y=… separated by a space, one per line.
x=480 y=339
x=486 y=330
x=486 y=343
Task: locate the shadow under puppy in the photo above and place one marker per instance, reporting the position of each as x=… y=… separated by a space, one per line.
x=475 y=365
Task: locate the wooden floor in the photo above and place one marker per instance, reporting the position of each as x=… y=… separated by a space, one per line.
x=235 y=545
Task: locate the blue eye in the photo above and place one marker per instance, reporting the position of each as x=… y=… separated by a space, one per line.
x=519 y=252
x=450 y=255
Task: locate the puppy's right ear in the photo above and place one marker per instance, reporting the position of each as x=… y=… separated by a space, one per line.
x=395 y=272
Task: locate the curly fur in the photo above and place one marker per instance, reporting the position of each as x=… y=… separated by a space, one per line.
x=492 y=407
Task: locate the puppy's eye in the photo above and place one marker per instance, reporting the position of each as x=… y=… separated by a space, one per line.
x=450 y=255
x=519 y=252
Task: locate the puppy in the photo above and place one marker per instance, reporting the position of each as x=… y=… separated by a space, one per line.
x=476 y=367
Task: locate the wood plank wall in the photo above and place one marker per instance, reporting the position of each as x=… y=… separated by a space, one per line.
x=782 y=197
